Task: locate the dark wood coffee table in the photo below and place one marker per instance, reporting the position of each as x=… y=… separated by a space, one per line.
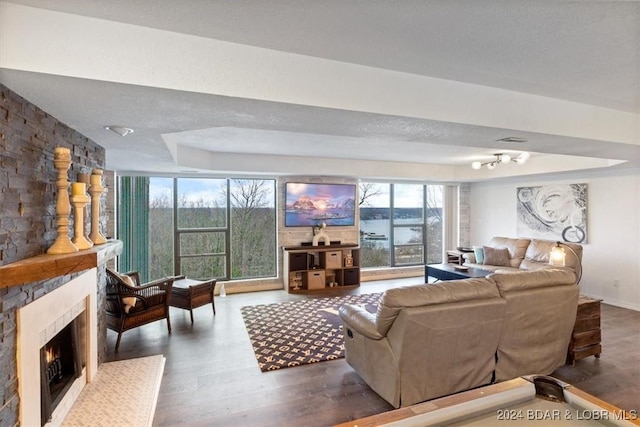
x=449 y=272
x=189 y=294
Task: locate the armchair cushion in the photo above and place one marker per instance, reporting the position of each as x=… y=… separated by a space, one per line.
x=128 y=302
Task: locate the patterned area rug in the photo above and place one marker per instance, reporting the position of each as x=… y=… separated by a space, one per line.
x=295 y=333
x=123 y=393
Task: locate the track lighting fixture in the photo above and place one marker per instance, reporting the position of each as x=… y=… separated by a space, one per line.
x=501 y=158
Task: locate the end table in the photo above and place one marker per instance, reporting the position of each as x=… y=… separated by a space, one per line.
x=189 y=294
x=586 y=336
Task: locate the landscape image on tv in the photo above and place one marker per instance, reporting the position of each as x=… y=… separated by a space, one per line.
x=308 y=205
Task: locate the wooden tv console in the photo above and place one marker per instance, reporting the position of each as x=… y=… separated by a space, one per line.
x=317 y=268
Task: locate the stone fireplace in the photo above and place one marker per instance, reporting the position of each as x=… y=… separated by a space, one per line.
x=28 y=137
x=38 y=323
x=49 y=292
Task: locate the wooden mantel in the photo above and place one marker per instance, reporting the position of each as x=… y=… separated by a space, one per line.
x=44 y=267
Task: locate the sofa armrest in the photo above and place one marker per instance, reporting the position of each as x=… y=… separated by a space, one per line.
x=360 y=320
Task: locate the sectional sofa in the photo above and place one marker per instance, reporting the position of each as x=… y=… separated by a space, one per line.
x=511 y=254
x=431 y=340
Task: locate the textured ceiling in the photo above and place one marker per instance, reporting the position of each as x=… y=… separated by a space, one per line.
x=585 y=52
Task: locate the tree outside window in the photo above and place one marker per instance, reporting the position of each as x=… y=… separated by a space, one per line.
x=204 y=228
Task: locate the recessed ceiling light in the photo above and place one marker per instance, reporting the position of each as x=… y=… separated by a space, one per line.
x=512 y=139
x=120 y=130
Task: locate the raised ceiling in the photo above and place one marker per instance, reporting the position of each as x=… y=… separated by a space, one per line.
x=375 y=89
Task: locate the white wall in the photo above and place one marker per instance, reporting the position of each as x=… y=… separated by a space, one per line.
x=613 y=228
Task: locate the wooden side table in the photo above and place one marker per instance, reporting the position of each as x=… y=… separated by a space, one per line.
x=189 y=294
x=586 y=336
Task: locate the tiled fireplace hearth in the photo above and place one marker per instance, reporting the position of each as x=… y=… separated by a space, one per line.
x=55 y=289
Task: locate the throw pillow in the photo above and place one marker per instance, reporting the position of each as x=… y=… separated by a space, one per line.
x=478 y=252
x=494 y=256
x=128 y=302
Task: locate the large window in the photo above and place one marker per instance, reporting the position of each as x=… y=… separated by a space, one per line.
x=202 y=232
x=400 y=224
x=408 y=224
x=201 y=228
x=375 y=224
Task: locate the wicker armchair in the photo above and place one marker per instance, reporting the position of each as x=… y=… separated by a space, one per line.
x=130 y=304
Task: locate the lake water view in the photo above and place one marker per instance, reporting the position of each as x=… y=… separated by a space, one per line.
x=377 y=230
x=312 y=217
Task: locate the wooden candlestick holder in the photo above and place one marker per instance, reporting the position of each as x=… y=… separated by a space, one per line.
x=62 y=244
x=96 y=190
x=79 y=202
x=85 y=178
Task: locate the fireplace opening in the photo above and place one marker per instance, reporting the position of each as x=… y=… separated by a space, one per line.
x=61 y=362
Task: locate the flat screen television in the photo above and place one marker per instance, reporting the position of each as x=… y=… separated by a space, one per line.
x=309 y=204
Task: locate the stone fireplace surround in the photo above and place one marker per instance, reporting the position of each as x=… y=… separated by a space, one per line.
x=28 y=138
x=38 y=323
x=79 y=283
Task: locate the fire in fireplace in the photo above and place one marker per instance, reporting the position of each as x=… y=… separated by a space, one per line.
x=61 y=362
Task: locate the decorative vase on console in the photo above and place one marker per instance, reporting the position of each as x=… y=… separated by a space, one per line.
x=320 y=234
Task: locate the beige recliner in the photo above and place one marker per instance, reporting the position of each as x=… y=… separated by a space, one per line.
x=431 y=340
x=541 y=311
x=426 y=341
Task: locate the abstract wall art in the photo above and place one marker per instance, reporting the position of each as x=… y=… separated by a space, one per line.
x=553 y=212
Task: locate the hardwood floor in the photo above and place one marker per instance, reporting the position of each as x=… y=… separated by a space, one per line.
x=211 y=377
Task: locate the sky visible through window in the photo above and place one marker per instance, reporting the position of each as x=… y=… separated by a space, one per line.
x=195 y=189
x=405 y=196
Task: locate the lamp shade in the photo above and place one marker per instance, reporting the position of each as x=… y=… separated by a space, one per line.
x=557 y=256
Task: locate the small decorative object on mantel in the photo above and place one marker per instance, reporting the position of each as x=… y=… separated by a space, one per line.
x=62 y=244
x=320 y=233
x=96 y=190
x=79 y=199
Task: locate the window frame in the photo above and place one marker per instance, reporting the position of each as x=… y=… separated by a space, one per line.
x=134 y=199
x=178 y=232
x=393 y=261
